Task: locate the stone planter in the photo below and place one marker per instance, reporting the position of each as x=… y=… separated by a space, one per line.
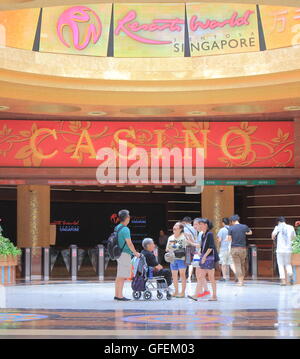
x=296 y=263
x=8 y=269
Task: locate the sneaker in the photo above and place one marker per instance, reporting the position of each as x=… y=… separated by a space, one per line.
x=204 y=294
x=282 y=282
x=122 y=299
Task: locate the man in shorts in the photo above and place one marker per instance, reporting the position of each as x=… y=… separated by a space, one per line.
x=128 y=249
x=224 y=253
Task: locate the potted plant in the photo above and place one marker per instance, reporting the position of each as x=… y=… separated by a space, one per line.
x=8 y=261
x=296 y=252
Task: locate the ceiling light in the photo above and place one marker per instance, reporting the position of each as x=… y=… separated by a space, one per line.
x=197 y=113
x=97 y=113
x=292 y=108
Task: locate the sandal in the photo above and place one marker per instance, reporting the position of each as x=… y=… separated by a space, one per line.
x=194 y=298
x=213 y=300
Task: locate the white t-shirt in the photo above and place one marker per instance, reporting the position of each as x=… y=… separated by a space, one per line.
x=179 y=243
x=286 y=233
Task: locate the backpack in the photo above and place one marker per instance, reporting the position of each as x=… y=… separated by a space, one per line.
x=113 y=249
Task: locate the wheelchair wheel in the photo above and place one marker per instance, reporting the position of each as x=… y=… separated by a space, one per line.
x=147 y=295
x=159 y=295
x=168 y=296
x=136 y=295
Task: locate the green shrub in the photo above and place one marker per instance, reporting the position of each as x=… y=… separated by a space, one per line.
x=7 y=248
x=296 y=244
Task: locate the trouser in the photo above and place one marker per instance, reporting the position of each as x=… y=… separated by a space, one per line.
x=166 y=273
x=161 y=256
x=284 y=262
x=239 y=255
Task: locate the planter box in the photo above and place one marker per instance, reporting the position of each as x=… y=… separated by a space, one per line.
x=8 y=269
x=296 y=263
x=296 y=259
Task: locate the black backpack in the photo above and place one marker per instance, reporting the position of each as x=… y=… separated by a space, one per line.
x=113 y=249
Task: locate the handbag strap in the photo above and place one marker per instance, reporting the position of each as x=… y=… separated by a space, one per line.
x=117 y=232
x=205 y=244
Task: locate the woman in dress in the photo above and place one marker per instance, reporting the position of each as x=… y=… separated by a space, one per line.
x=208 y=258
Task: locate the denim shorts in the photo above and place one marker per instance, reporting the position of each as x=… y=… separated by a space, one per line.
x=178 y=264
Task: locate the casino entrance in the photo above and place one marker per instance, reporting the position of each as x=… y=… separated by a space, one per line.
x=86 y=215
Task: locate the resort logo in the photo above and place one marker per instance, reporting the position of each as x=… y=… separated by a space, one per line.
x=73 y=19
x=114 y=218
x=130 y=27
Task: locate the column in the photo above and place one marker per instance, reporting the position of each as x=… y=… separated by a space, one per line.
x=33 y=222
x=217 y=202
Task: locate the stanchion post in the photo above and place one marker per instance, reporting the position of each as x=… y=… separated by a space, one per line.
x=253 y=253
x=46 y=263
x=73 y=261
x=100 y=264
x=26 y=264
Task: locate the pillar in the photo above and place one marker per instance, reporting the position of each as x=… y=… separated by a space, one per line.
x=217 y=202
x=33 y=222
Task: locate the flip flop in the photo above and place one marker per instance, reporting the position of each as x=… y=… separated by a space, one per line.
x=191 y=297
x=212 y=300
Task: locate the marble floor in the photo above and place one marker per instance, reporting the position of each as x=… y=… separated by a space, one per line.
x=86 y=309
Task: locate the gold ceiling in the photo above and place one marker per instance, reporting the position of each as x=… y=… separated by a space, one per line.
x=267 y=82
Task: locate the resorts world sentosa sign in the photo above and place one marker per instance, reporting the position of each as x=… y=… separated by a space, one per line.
x=150 y=30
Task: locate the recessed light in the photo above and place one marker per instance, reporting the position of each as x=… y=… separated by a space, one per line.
x=292 y=108
x=147 y=111
x=53 y=108
x=244 y=108
x=97 y=113
x=197 y=113
x=4 y=108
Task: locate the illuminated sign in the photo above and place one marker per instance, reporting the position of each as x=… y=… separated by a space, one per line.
x=281 y=26
x=65 y=226
x=231 y=28
x=71 y=18
x=75 y=143
x=148 y=30
x=81 y=30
